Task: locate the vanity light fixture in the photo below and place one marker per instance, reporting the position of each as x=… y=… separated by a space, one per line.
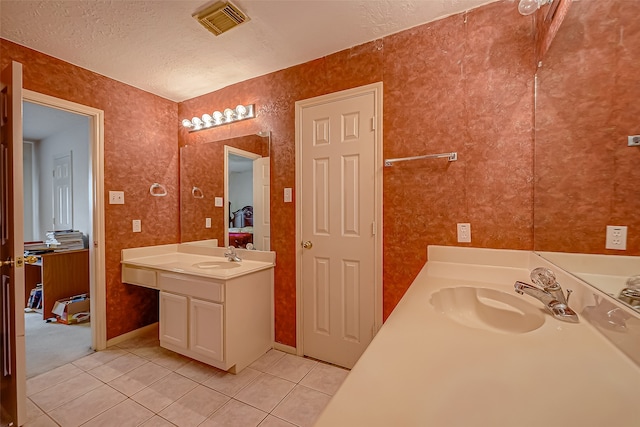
x=241 y=112
x=527 y=7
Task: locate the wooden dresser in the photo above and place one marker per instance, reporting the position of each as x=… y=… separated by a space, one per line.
x=62 y=274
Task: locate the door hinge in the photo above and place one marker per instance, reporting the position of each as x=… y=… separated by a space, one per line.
x=373 y=228
x=373 y=123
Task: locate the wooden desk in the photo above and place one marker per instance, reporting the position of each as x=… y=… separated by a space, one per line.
x=62 y=274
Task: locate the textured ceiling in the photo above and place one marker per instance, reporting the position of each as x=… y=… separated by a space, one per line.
x=158 y=47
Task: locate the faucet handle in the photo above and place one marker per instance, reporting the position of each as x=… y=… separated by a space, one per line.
x=544 y=278
x=569 y=292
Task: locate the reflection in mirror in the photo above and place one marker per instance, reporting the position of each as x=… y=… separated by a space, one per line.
x=247 y=195
x=209 y=200
x=586 y=174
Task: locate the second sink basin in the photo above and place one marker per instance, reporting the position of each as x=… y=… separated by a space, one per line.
x=217 y=264
x=489 y=309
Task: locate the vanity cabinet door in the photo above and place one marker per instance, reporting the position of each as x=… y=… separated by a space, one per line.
x=206 y=335
x=173 y=319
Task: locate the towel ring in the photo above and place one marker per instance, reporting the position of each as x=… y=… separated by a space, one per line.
x=157 y=190
x=197 y=193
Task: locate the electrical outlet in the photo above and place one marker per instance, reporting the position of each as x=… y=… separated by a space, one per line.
x=116 y=197
x=464 y=232
x=207 y=223
x=616 y=237
x=137 y=226
x=288 y=196
x=633 y=141
x=218 y=202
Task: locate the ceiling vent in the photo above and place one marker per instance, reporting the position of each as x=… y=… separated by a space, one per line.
x=221 y=17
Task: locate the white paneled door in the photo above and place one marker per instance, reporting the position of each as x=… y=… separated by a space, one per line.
x=338 y=216
x=62 y=192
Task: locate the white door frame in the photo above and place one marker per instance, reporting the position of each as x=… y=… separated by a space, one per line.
x=376 y=89
x=97 y=279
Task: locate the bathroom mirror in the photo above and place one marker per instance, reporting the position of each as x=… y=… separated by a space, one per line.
x=224 y=191
x=586 y=174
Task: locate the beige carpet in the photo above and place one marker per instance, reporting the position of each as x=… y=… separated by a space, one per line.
x=50 y=345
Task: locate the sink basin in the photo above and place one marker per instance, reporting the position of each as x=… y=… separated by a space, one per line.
x=489 y=309
x=220 y=265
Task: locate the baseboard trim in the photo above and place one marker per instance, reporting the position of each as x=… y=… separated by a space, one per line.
x=285 y=348
x=133 y=334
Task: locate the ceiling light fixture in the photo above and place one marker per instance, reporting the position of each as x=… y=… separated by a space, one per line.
x=241 y=112
x=527 y=7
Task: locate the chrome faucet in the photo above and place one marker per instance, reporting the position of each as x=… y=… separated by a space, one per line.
x=549 y=292
x=231 y=254
x=631 y=292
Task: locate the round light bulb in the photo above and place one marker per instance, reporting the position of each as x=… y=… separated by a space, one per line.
x=241 y=110
x=217 y=117
x=527 y=7
x=207 y=119
x=197 y=123
x=228 y=114
x=187 y=123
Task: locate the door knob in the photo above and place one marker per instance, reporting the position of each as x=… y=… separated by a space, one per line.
x=18 y=262
x=307 y=244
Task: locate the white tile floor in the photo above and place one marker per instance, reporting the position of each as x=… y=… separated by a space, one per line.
x=138 y=383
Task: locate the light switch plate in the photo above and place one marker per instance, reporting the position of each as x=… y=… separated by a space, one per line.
x=116 y=197
x=137 y=226
x=218 y=202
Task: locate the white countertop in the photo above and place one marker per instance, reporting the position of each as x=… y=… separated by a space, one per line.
x=198 y=260
x=424 y=369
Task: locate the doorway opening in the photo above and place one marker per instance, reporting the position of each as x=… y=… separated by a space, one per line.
x=57 y=218
x=68 y=138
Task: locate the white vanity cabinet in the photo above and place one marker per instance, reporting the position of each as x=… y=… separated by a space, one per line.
x=226 y=322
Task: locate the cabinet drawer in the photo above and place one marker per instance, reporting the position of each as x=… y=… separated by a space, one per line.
x=192 y=286
x=139 y=276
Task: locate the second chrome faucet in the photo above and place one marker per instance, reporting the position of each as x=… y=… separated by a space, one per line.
x=232 y=255
x=549 y=292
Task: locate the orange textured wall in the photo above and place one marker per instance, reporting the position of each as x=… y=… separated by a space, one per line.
x=465 y=84
x=586 y=175
x=140 y=148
